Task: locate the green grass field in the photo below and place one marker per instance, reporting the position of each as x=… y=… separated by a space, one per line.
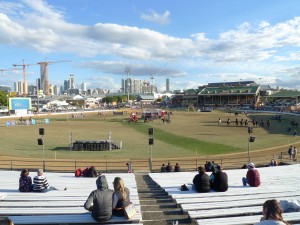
x=188 y=134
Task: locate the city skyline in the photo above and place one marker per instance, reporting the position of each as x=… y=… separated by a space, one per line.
x=192 y=44
x=133 y=86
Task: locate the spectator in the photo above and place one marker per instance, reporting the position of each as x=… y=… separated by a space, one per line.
x=128 y=167
x=290 y=151
x=177 y=168
x=220 y=180
x=25 y=181
x=120 y=197
x=99 y=201
x=201 y=181
x=272 y=214
x=273 y=163
x=40 y=183
x=90 y=172
x=5 y=221
x=295 y=154
x=207 y=166
x=212 y=177
x=163 y=168
x=169 y=167
x=253 y=177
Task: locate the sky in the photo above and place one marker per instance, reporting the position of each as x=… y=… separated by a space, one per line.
x=191 y=42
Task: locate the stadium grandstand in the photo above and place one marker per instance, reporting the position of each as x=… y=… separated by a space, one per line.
x=242 y=94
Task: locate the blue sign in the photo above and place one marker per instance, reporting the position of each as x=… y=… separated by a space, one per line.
x=20 y=103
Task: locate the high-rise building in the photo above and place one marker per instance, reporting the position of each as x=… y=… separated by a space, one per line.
x=19 y=87
x=56 y=90
x=72 y=82
x=167 y=85
x=66 y=85
x=31 y=90
x=83 y=87
x=38 y=84
x=44 y=72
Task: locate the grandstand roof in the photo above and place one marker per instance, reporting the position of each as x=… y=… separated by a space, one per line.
x=245 y=90
x=285 y=94
x=219 y=84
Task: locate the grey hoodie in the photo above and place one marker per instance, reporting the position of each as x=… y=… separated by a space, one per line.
x=99 y=201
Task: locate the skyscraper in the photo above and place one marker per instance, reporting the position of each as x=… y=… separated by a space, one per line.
x=167 y=85
x=44 y=72
x=71 y=82
x=83 y=87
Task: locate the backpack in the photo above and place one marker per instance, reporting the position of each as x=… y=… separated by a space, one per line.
x=78 y=172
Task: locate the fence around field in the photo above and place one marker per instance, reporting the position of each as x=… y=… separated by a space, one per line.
x=186 y=164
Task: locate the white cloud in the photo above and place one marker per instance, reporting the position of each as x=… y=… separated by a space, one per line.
x=118 y=68
x=38 y=26
x=153 y=16
x=246 y=43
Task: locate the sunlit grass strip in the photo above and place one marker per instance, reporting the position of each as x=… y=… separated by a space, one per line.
x=203 y=147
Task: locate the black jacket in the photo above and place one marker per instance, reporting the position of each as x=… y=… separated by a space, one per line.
x=201 y=182
x=220 y=181
x=99 y=201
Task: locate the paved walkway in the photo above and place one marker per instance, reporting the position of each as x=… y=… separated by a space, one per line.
x=156 y=206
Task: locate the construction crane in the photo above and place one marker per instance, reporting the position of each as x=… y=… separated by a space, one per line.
x=152 y=76
x=44 y=74
x=24 y=75
x=10 y=69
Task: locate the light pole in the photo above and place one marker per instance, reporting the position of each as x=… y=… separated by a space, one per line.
x=250 y=139
x=7 y=102
x=151 y=142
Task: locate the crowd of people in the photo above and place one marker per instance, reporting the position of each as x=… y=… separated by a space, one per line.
x=169 y=168
x=39 y=183
x=102 y=202
x=218 y=179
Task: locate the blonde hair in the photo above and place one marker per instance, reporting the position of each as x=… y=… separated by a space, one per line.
x=40 y=172
x=119 y=186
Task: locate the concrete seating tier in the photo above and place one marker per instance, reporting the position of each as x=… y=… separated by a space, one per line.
x=239 y=205
x=61 y=206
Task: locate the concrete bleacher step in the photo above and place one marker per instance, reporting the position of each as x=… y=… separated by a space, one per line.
x=229 y=204
x=66 y=219
x=156 y=206
x=246 y=220
x=239 y=205
x=59 y=206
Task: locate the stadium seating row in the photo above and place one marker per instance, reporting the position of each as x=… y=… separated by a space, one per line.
x=61 y=206
x=239 y=205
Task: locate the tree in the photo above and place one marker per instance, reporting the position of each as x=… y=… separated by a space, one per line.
x=3 y=97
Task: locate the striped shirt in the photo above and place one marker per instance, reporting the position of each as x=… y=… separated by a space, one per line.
x=40 y=183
